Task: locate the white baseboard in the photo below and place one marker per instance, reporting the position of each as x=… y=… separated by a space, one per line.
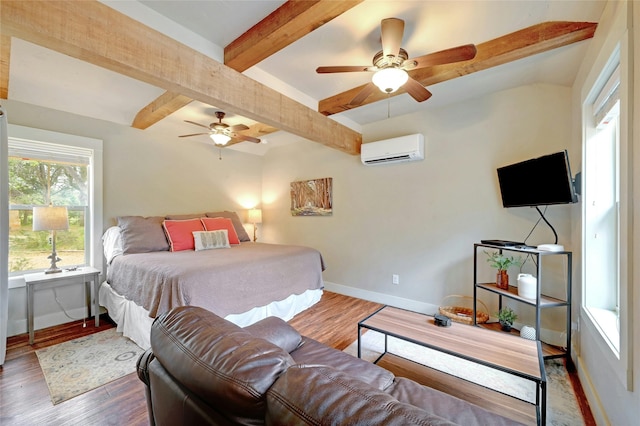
x=590 y=393
x=398 y=302
x=19 y=326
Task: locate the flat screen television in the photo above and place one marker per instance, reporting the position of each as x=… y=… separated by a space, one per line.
x=540 y=181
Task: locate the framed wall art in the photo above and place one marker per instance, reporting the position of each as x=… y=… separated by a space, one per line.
x=312 y=197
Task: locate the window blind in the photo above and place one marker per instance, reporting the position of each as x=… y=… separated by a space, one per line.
x=47 y=151
x=607 y=104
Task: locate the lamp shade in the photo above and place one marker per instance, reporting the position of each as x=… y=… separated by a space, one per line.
x=50 y=218
x=220 y=138
x=255 y=216
x=390 y=79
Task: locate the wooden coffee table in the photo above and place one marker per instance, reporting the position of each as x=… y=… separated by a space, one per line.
x=501 y=351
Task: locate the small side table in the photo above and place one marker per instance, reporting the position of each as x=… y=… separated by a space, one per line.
x=40 y=281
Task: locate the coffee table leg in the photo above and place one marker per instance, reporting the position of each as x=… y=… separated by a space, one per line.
x=359 y=341
x=543 y=404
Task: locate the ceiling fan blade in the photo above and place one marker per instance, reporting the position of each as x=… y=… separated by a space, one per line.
x=391 y=32
x=346 y=68
x=362 y=95
x=447 y=56
x=237 y=128
x=197 y=124
x=416 y=90
x=193 y=134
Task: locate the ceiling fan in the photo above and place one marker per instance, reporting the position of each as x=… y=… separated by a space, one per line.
x=221 y=133
x=391 y=64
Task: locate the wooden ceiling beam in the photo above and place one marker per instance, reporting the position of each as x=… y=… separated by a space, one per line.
x=258 y=130
x=511 y=47
x=5 y=58
x=287 y=24
x=161 y=107
x=290 y=22
x=97 y=34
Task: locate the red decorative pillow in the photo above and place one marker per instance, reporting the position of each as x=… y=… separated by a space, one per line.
x=180 y=233
x=217 y=223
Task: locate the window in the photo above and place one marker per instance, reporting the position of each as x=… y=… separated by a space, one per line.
x=607 y=214
x=61 y=170
x=602 y=215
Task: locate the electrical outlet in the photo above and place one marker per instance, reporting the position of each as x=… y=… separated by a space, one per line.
x=396 y=279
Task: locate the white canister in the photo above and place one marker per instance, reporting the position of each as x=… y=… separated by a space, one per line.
x=528 y=332
x=527 y=286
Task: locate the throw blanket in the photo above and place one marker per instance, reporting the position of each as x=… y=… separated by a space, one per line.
x=223 y=281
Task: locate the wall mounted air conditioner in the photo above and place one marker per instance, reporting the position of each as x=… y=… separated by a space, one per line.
x=396 y=150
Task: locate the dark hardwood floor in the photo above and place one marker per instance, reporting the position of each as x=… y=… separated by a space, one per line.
x=24 y=397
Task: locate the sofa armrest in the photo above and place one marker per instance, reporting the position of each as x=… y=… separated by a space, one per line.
x=276 y=331
x=142 y=367
x=217 y=361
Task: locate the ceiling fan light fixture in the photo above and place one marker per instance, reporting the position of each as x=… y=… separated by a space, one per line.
x=390 y=79
x=220 y=138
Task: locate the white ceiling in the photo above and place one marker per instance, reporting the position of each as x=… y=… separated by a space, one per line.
x=42 y=77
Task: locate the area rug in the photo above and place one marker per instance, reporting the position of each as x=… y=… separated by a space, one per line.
x=562 y=405
x=78 y=366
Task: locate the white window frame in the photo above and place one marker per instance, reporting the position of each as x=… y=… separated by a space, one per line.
x=25 y=134
x=619 y=361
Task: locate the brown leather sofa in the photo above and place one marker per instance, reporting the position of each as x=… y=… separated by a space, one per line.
x=202 y=369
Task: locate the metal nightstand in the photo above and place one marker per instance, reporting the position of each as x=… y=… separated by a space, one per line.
x=40 y=280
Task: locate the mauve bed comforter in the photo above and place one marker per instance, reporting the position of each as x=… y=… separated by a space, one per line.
x=223 y=281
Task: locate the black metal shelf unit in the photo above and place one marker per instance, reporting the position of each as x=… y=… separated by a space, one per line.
x=541 y=301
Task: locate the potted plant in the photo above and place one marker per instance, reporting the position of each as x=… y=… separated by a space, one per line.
x=502 y=262
x=506 y=317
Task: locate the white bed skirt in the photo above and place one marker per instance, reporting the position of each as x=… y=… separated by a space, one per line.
x=133 y=321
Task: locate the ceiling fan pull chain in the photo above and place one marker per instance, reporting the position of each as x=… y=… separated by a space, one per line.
x=219 y=153
x=388 y=105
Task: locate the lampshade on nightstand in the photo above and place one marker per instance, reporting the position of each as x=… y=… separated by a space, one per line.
x=52 y=219
x=255 y=216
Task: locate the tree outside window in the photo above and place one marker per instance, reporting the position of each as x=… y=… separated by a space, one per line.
x=37 y=182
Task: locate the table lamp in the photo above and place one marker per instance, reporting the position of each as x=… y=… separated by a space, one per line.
x=51 y=219
x=255 y=216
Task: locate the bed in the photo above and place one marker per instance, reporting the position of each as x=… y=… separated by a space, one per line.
x=243 y=282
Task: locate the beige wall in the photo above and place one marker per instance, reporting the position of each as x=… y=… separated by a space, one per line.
x=420 y=219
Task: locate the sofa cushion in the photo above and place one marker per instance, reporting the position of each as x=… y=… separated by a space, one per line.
x=442 y=404
x=276 y=331
x=323 y=395
x=218 y=361
x=312 y=352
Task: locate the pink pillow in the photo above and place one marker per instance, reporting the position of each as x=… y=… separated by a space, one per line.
x=217 y=223
x=180 y=233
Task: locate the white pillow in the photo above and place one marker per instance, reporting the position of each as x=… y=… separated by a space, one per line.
x=207 y=240
x=112 y=243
